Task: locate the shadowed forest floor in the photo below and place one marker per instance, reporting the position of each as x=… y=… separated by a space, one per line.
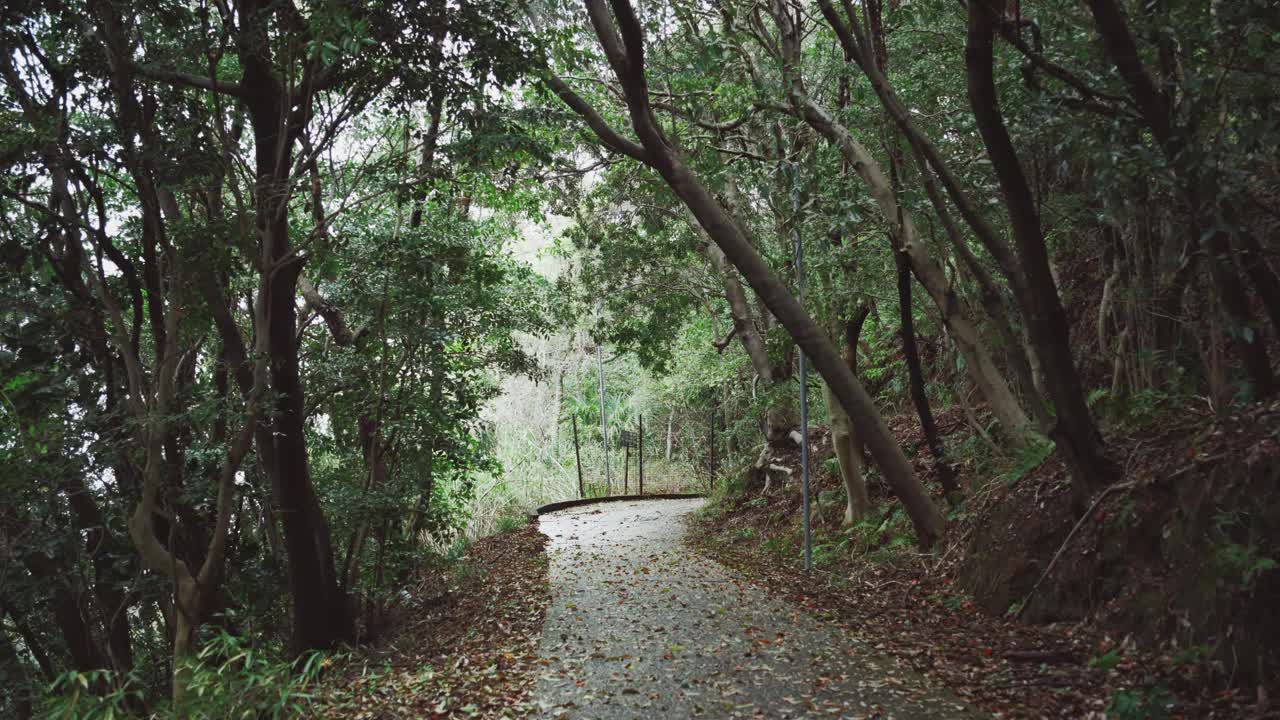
x=640 y=626
x=690 y=608
x=464 y=650
x=617 y=611
x=1111 y=633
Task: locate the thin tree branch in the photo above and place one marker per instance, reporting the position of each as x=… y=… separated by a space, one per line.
x=610 y=137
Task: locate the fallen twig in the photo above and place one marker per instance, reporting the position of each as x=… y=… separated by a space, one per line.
x=1102 y=496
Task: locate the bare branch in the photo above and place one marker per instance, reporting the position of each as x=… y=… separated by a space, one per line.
x=342 y=334
x=714 y=127
x=173 y=77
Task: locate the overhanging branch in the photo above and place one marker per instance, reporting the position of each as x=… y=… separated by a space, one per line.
x=610 y=137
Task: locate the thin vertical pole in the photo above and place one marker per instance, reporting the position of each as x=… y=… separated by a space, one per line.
x=642 y=454
x=626 y=468
x=804 y=387
x=604 y=420
x=804 y=463
x=711 y=449
x=577 y=458
x=671 y=425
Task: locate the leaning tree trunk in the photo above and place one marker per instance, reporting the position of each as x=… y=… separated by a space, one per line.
x=906 y=239
x=826 y=360
x=656 y=151
x=910 y=351
x=780 y=418
x=992 y=300
x=915 y=374
x=847 y=447
x=1075 y=432
x=856 y=46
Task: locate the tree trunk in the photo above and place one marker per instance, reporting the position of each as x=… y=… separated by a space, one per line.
x=1075 y=432
x=902 y=231
x=373 y=449
x=656 y=151
x=826 y=360
x=843 y=438
x=577 y=457
x=32 y=643
x=187 y=614
x=671 y=426
x=911 y=353
x=854 y=42
x=1016 y=355
x=68 y=606
x=915 y=374
x=739 y=309
x=100 y=545
x=322 y=616
x=604 y=418
x=849 y=457
x=1156 y=113
x=780 y=419
x=14 y=671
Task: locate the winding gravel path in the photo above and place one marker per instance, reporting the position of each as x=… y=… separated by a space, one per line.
x=642 y=627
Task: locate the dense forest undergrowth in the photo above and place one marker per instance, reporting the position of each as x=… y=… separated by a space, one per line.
x=302 y=301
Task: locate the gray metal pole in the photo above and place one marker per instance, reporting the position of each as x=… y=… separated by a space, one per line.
x=804 y=464
x=604 y=420
x=804 y=400
x=641 y=455
x=577 y=457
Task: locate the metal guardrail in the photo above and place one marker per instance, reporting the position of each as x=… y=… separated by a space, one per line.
x=566 y=504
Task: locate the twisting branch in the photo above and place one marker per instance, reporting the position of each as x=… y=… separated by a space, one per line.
x=181 y=79
x=338 y=327
x=1009 y=31
x=610 y=137
x=712 y=126
x=855 y=43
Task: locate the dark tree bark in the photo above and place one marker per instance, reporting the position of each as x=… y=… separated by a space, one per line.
x=33 y=644
x=14 y=673
x=856 y=46
x=859 y=49
x=322 y=615
x=911 y=353
x=915 y=374
x=69 y=606
x=71 y=603
x=781 y=417
x=904 y=237
x=1075 y=432
x=100 y=545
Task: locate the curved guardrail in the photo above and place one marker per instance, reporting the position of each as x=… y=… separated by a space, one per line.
x=566 y=504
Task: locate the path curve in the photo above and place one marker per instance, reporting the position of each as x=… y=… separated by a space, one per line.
x=640 y=626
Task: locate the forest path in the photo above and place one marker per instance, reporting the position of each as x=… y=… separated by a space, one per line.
x=640 y=626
